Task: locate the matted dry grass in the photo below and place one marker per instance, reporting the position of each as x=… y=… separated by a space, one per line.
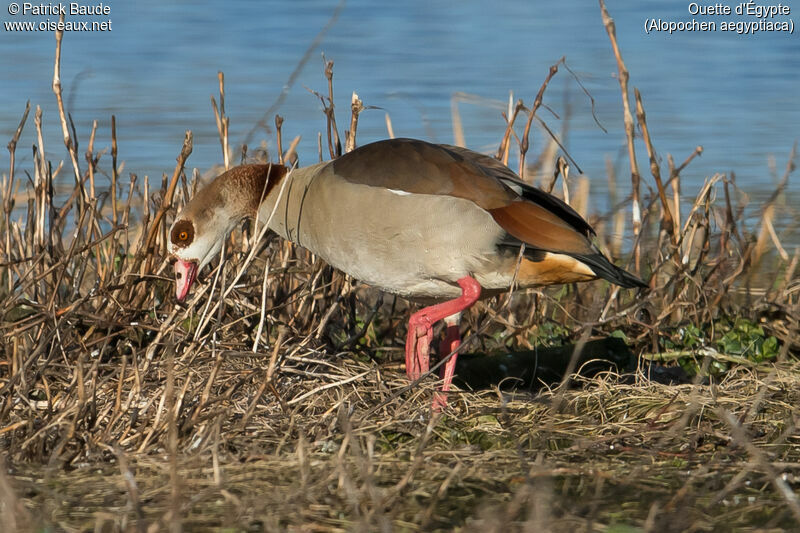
x=276 y=398
x=663 y=458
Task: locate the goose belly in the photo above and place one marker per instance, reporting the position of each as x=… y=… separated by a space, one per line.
x=414 y=245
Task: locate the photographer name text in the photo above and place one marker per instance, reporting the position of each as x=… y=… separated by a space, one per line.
x=72 y=8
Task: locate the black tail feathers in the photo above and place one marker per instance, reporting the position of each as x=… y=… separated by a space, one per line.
x=611 y=272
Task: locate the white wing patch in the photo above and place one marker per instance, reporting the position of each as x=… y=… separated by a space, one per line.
x=398 y=192
x=516 y=187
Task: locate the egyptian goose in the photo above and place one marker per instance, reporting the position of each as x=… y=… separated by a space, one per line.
x=428 y=222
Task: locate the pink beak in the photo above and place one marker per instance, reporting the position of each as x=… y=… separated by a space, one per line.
x=185 y=273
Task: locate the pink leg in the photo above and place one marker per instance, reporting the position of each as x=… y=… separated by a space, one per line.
x=420 y=334
x=451 y=342
x=418 y=342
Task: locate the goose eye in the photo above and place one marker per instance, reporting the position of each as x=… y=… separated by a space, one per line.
x=182 y=233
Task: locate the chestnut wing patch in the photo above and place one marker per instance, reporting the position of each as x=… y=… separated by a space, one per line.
x=540 y=228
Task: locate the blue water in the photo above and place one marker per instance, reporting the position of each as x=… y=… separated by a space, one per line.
x=737 y=95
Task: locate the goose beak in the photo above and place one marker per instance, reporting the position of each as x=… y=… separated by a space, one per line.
x=185 y=273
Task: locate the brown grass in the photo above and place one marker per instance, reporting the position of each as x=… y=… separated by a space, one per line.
x=276 y=399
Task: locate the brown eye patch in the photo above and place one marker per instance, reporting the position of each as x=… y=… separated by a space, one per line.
x=182 y=233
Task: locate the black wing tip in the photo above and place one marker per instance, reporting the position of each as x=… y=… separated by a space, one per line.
x=629 y=281
x=609 y=271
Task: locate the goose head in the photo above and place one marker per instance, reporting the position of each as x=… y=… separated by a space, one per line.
x=194 y=239
x=204 y=223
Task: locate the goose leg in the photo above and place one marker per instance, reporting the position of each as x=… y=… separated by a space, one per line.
x=451 y=342
x=420 y=335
